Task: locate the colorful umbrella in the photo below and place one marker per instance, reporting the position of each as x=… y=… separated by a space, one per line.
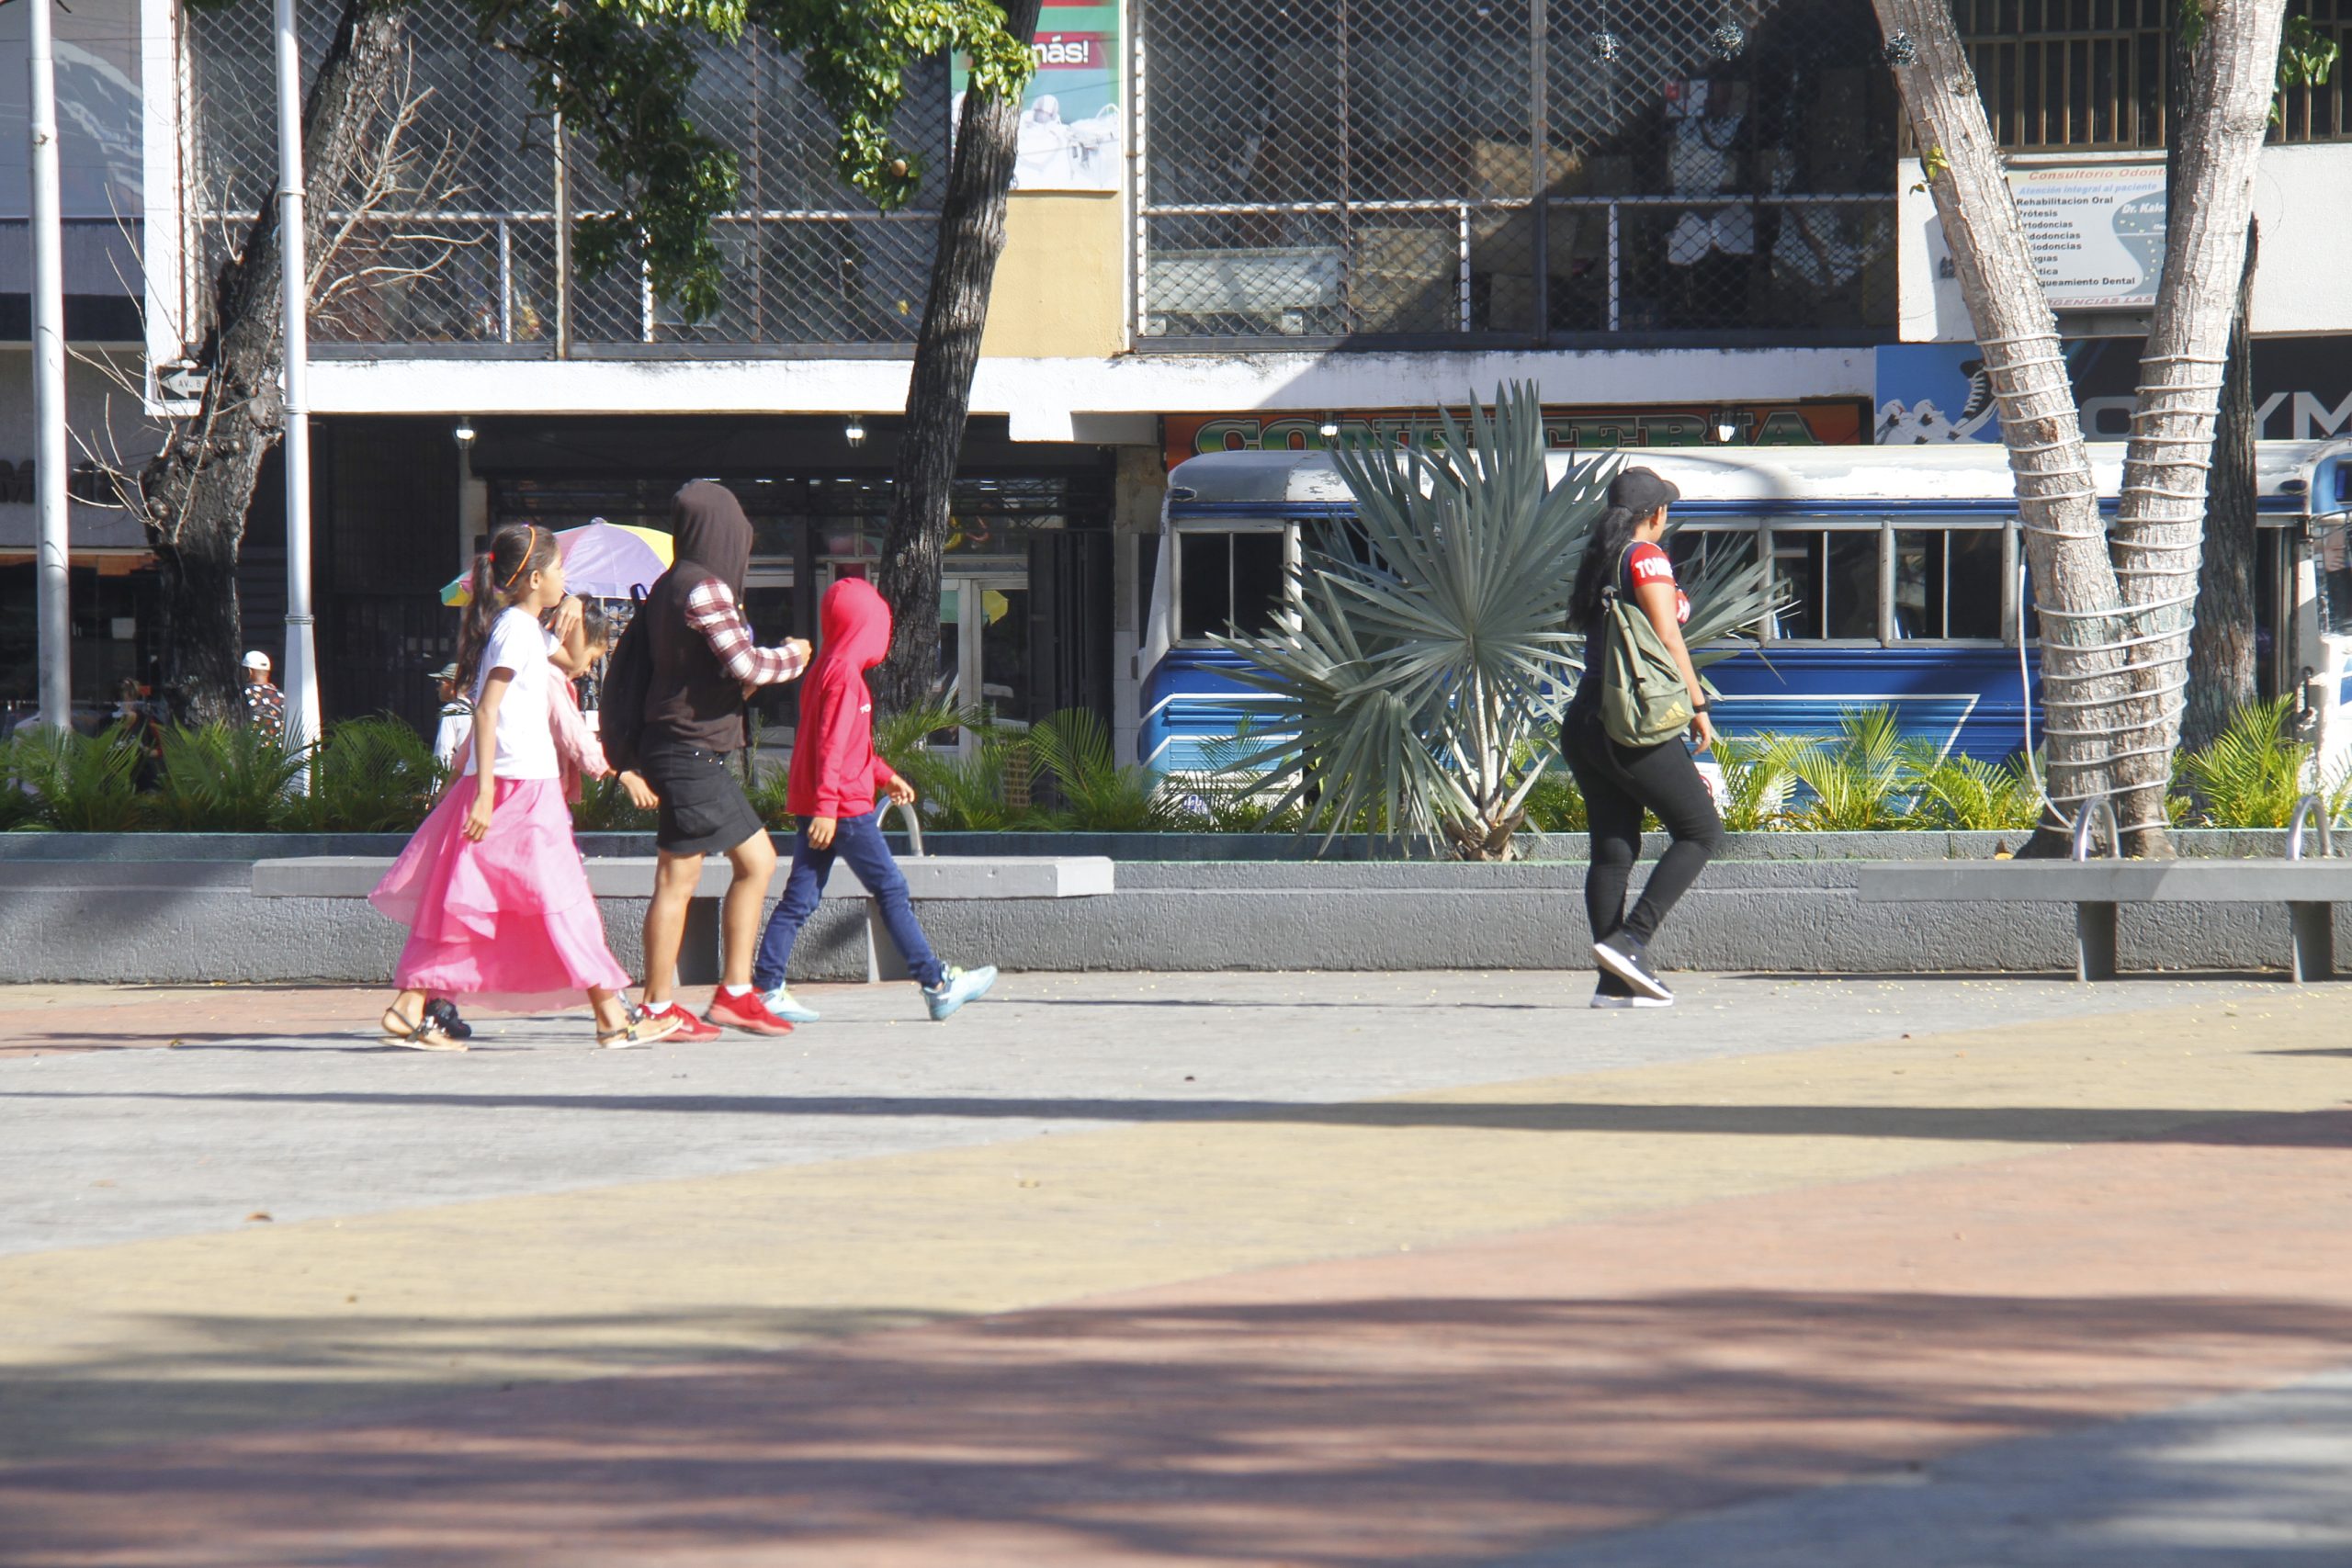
x=603 y=560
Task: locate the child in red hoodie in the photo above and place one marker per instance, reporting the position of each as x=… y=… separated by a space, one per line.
x=835 y=776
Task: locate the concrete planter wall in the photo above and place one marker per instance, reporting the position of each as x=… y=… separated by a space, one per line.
x=1175 y=847
x=164 y=907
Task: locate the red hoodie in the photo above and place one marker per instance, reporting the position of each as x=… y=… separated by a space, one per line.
x=834 y=771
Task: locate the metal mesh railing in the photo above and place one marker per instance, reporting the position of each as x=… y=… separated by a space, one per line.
x=452 y=238
x=1331 y=168
x=2089 y=76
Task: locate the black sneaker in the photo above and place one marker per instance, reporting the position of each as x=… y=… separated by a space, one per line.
x=443 y=1011
x=1614 y=993
x=1622 y=956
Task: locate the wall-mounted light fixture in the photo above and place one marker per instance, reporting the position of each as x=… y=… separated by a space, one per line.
x=855 y=431
x=1329 y=429
x=464 y=432
x=1726 y=426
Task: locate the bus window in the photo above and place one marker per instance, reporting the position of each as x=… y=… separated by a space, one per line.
x=1695 y=550
x=1948 y=583
x=1829 y=577
x=1227 y=584
x=1256 y=582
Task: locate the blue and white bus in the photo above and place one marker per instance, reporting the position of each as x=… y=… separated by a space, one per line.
x=1900 y=565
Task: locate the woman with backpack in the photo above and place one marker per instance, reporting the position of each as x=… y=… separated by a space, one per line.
x=1624 y=735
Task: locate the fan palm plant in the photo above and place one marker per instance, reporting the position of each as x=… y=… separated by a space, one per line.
x=1417 y=664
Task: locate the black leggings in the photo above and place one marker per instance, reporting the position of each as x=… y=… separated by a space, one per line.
x=1618 y=782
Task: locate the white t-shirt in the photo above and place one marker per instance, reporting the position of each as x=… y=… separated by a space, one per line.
x=526 y=729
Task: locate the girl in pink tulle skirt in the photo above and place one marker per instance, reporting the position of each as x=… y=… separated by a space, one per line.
x=491 y=886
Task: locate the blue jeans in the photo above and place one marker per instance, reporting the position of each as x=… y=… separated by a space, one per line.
x=859 y=840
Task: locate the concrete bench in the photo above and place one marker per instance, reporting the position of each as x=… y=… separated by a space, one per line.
x=2310 y=889
x=928 y=877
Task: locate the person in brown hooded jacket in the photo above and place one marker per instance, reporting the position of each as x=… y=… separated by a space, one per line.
x=705 y=661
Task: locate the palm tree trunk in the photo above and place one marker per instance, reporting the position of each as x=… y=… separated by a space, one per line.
x=939 y=389
x=2159 y=524
x=2223 y=677
x=2075 y=586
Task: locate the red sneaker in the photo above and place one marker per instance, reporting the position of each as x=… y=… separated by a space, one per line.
x=746 y=1012
x=689 y=1026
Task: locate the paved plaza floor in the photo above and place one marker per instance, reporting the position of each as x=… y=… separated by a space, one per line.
x=1243 y=1270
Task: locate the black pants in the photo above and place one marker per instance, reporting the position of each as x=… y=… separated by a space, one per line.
x=1618 y=782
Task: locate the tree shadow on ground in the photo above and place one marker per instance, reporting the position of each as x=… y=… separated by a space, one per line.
x=1371 y=1430
x=2031 y=1124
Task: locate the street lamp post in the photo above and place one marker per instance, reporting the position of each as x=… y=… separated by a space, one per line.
x=54 y=606
x=302 y=646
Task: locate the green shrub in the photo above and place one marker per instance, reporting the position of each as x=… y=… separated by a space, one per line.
x=1100 y=794
x=604 y=806
x=2254 y=772
x=1554 y=804
x=1228 y=794
x=17 y=805
x=1966 y=794
x=370 y=775
x=1863 y=781
x=1756 y=782
x=224 y=778
x=71 y=782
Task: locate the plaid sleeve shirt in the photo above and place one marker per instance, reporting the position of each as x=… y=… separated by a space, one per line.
x=710 y=610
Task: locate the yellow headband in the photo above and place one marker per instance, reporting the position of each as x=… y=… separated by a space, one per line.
x=533 y=544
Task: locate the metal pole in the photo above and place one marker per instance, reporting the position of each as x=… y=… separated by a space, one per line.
x=301 y=648
x=1539 y=113
x=562 y=237
x=56 y=622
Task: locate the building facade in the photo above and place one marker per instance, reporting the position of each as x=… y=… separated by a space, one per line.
x=1237 y=222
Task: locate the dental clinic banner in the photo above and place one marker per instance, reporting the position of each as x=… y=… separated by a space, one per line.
x=1070 y=116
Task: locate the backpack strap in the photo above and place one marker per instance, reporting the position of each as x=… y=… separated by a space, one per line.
x=1608 y=591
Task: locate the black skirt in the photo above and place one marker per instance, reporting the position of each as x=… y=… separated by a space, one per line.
x=703 y=807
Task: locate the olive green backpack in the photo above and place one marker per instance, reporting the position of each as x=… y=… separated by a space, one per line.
x=1643 y=700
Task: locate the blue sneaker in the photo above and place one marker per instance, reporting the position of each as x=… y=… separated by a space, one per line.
x=781 y=1003
x=955 y=987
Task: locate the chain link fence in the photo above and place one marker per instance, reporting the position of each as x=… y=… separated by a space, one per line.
x=449 y=237
x=1319 y=169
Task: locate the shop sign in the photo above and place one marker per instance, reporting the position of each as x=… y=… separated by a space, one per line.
x=1837 y=422
x=1929 y=394
x=1071 y=130
x=2097 y=233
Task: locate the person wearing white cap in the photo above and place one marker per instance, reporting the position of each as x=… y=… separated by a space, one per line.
x=265 y=703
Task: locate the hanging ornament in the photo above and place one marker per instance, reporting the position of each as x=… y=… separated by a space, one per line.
x=1605 y=47
x=1729 y=40
x=1900 y=49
